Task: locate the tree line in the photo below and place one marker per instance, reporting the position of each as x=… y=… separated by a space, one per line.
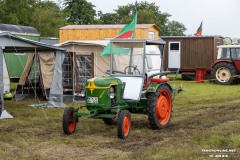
x=47 y=16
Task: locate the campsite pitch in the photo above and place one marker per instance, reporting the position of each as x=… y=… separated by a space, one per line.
x=205 y=121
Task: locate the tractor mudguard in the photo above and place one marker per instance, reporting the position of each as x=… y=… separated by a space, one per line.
x=154 y=86
x=217 y=61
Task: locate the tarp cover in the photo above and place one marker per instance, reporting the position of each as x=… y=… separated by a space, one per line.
x=56 y=92
x=46 y=60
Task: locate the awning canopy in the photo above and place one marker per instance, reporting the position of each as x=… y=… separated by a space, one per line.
x=93 y=43
x=12 y=43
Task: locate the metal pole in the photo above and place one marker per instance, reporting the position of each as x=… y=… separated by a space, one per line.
x=1 y=81
x=162 y=52
x=35 y=77
x=111 y=57
x=74 y=75
x=144 y=58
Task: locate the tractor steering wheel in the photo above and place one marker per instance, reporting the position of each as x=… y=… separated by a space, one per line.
x=135 y=70
x=113 y=71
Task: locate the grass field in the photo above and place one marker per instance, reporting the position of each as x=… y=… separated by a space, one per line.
x=206 y=116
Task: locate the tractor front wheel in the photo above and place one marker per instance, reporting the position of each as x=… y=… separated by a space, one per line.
x=124 y=124
x=159 y=107
x=68 y=121
x=223 y=73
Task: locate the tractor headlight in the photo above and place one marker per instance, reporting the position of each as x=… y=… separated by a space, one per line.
x=82 y=94
x=112 y=95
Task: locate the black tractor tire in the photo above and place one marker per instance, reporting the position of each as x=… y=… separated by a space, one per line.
x=110 y=121
x=223 y=73
x=68 y=122
x=159 y=107
x=124 y=124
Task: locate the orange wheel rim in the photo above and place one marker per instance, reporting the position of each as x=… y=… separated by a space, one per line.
x=71 y=125
x=164 y=107
x=126 y=125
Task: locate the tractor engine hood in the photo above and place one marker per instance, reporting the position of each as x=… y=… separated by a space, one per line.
x=102 y=82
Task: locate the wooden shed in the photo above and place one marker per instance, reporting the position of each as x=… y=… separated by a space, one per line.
x=100 y=32
x=190 y=53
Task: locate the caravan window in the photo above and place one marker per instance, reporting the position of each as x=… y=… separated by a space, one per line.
x=20 y=54
x=174 y=46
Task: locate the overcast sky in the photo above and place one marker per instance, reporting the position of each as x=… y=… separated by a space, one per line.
x=220 y=17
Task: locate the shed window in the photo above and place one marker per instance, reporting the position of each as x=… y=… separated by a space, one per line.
x=174 y=46
x=151 y=35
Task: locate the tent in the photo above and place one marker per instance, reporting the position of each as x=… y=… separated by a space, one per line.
x=48 y=55
x=82 y=61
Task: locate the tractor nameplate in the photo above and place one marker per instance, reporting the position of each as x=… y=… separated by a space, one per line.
x=92 y=100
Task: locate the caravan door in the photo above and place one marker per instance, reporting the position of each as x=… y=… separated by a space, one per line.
x=174 y=55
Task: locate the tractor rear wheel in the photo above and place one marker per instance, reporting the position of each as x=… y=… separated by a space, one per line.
x=159 y=107
x=223 y=73
x=68 y=122
x=110 y=121
x=124 y=124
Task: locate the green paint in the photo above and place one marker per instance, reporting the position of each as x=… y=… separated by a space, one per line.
x=105 y=81
x=16 y=61
x=30 y=37
x=101 y=90
x=15 y=64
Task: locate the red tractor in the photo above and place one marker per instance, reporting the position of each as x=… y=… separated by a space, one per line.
x=226 y=69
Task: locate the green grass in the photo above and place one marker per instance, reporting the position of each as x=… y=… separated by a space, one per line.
x=206 y=116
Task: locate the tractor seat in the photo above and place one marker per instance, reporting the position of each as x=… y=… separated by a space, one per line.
x=159 y=80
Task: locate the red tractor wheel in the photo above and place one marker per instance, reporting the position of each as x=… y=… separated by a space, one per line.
x=124 y=124
x=159 y=107
x=68 y=122
x=223 y=73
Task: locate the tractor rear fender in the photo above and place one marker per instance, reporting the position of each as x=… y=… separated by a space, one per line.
x=217 y=61
x=154 y=86
x=237 y=64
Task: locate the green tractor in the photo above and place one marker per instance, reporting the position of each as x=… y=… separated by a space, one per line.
x=135 y=85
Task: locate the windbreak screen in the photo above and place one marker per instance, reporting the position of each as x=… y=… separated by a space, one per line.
x=127 y=58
